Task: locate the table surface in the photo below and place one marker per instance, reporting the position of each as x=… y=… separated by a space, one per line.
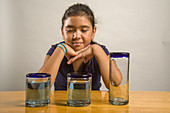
x=139 y=102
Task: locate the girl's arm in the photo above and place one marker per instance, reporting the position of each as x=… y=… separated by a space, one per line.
x=103 y=62
x=52 y=63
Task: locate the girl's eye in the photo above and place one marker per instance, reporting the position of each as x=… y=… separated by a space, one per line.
x=70 y=30
x=84 y=31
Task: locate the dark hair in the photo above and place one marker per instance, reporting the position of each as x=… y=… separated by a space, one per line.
x=79 y=10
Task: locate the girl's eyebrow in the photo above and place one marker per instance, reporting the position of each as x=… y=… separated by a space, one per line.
x=83 y=26
x=72 y=26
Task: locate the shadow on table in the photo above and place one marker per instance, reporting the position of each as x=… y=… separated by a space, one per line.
x=60 y=102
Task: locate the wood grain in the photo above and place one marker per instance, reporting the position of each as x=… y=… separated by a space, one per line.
x=139 y=102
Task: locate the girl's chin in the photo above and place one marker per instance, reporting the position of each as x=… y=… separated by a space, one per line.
x=77 y=48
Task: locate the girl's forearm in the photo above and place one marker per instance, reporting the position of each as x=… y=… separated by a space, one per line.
x=103 y=61
x=52 y=64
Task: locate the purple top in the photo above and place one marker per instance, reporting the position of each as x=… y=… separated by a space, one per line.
x=91 y=66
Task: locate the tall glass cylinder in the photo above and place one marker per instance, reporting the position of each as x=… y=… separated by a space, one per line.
x=119 y=94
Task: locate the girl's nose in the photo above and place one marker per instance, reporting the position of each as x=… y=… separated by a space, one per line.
x=76 y=35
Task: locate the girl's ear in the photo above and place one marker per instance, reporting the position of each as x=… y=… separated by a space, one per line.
x=93 y=33
x=62 y=33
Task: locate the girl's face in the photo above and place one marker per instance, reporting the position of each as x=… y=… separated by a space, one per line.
x=77 y=32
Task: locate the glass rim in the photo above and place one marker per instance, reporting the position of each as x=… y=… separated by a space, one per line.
x=38 y=75
x=79 y=75
x=119 y=54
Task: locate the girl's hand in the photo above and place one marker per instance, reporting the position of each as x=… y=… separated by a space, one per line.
x=86 y=53
x=70 y=52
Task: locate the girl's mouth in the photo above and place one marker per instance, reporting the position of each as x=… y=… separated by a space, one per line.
x=77 y=43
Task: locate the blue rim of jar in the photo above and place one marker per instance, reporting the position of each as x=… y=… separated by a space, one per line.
x=79 y=75
x=119 y=54
x=38 y=75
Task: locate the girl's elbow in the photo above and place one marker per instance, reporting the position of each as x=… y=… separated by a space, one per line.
x=118 y=82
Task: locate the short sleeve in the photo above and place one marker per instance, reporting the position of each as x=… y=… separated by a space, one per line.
x=52 y=49
x=102 y=46
x=105 y=49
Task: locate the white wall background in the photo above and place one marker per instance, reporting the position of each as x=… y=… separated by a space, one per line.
x=141 y=27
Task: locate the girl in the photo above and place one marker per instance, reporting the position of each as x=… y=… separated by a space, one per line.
x=78 y=52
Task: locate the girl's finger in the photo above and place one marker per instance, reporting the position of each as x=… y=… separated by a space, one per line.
x=73 y=53
x=82 y=49
x=74 y=58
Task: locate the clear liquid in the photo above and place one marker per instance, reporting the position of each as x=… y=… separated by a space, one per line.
x=118 y=101
x=79 y=93
x=37 y=94
x=119 y=95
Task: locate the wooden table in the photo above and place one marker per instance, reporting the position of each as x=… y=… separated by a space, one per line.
x=140 y=102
